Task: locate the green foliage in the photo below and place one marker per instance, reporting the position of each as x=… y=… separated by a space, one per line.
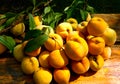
x=35 y=43
x=52 y=12
x=32 y=34
x=8 y=42
x=31 y=22
x=50 y=17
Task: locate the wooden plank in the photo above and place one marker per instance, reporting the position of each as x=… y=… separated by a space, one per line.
x=11 y=73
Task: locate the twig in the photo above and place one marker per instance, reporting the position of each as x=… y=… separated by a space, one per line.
x=5 y=30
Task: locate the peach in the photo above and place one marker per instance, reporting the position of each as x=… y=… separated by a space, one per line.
x=88 y=17
x=62 y=75
x=96 y=26
x=43 y=59
x=18 y=52
x=18 y=29
x=110 y=36
x=76 y=48
x=42 y=76
x=63 y=29
x=29 y=65
x=2 y=48
x=73 y=22
x=73 y=34
x=54 y=42
x=37 y=20
x=82 y=27
x=33 y=53
x=96 y=45
x=96 y=62
x=80 y=67
x=58 y=59
x=106 y=54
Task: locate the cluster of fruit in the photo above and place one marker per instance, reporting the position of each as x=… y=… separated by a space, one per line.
x=80 y=46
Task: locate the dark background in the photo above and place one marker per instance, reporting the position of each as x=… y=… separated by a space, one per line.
x=100 y=6
x=105 y=6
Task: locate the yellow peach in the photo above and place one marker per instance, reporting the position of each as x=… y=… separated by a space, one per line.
x=110 y=36
x=42 y=76
x=18 y=29
x=73 y=22
x=29 y=65
x=18 y=52
x=63 y=29
x=106 y=54
x=96 y=62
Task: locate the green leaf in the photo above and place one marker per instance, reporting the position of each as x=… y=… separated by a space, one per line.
x=2 y=27
x=9 y=21
x=83 y=14
x=34 y=2
x=31 y=21
x=35 y=43
x=8 y=15
x=47 y=10
x=90 y=9
x=32 y=34
x=8 y=41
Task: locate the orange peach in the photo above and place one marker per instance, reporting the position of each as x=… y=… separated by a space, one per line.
x=96 y=45
x=76 y=48
x=73 y=34
x=33 y=53
x=96 y=26
x=54 y=42
x=62 y=76
x=43 y=59
x=80 y=67
x=58 y=59
x=2 y=48
x=37 y=20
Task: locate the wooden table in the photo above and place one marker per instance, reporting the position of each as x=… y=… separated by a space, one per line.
x=11 y=73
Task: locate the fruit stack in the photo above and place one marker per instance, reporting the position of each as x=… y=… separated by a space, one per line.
x=71 y=46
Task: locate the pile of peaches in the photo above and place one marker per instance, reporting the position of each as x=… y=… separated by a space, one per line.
x=71 y=46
